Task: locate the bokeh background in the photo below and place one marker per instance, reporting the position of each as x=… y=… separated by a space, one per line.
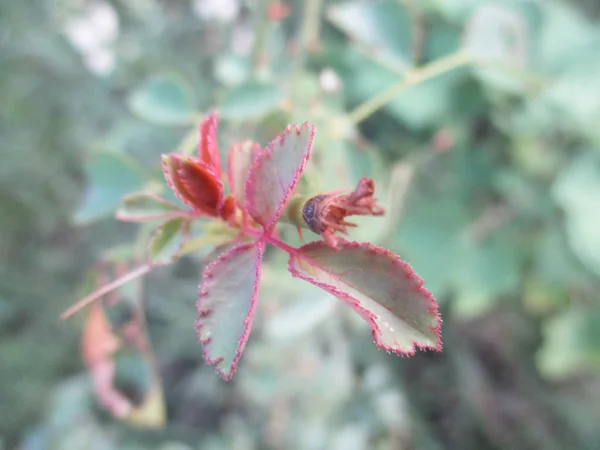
x=478 y=120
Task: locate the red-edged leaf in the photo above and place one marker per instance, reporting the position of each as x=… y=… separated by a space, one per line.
x=379 y=286
x=208 y=148
x=145 y=206
x=194 y=183
x=226 y=304
x=275 y=172
x=239 y=160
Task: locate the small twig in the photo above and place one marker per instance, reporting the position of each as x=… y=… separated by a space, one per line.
x=414 y=77
x=96 y=295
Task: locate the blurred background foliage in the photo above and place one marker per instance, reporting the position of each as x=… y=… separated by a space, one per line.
x=478 y=121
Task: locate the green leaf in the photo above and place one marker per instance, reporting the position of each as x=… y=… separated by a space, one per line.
x=167 y=241
x=577 y=190
x=380 y=287
x=111 y=176
x=572 y=343
x=488 y=269
x=251 y=100
x=383 y=27
x=145 y=206
x=164 y=100
x=226 y=305
x=496 y=35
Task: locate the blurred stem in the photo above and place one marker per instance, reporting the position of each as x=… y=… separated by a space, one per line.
x=262 y=27
x=308 y=41
x=412 y=78
x=312 y=24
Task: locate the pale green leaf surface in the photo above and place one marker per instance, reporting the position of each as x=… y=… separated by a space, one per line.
x=382 y=289
x=167 y=241
x=383 y=27
x=251 y=100
x=572 y=343
x=226 y=305
x=111 y=176
x=165 y=100
x=577 y=190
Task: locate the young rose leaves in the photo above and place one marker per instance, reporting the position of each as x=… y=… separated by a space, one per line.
x=380 y=287
x=240 y=159
x=275 y=172
x=167 y=241
x=194 y=183
x=145 y=206
x=226 y=305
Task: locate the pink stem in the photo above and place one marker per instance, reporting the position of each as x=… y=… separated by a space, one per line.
x=105 y=290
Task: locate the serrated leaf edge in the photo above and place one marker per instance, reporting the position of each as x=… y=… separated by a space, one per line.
x=172 y=214
x=268 y=151
x=366 y=314
x=167 y=174
x=203 y=313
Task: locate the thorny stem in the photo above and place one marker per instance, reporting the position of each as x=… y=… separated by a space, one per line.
x=412 y=78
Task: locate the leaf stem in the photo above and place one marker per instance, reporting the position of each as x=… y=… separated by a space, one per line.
x=412 y=78
x=142 y=270
x=262 y=27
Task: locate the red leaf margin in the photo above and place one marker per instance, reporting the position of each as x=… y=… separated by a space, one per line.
x=268 y=151
x=202 y=313
x=208 y=146
x=218 y=184
x=364 y=313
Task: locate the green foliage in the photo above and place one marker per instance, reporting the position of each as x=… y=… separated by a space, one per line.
x=163 y=100
x=111 y=176
x=498 y=156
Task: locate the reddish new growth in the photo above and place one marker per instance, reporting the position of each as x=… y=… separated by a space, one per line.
x=325 y=214
x=262 y=193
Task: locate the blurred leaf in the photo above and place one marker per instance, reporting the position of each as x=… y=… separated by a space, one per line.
x=251 y=100
x=231 y=69
x=226 y=305
x=572 y=343
x=420 y=106
x=165 y=100
x=144 y=206
x=275 y=173
x=383 y=27
x=427 y=237
x=111 y=176
x=151 y=413
x=498 y=39
x=489 y=268
x=381 y=288
x=167 y=241
x=577 y=190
